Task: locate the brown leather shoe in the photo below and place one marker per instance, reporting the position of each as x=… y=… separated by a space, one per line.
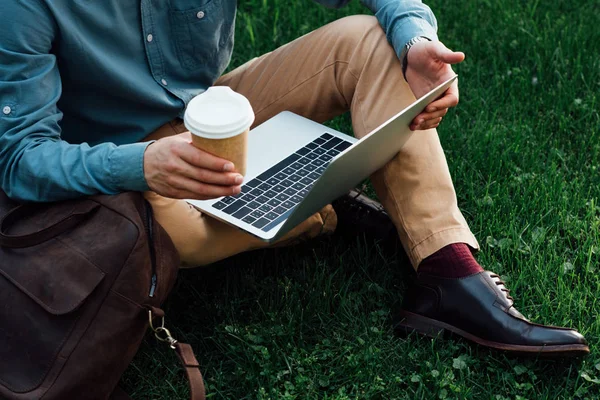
x=479 y=309
x=358 y=214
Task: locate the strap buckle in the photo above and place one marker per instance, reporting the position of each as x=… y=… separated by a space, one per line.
x=160 y=332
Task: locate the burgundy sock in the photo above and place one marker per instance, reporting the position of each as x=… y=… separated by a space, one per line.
x=452 y=261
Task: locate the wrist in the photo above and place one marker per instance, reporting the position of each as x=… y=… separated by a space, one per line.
x=406 y=49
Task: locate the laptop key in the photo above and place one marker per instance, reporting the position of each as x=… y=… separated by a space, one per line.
x=242 y=212
x=296 y=199
x=279 y=210
x=253 y=183
x=282 y=197
x=319 y=151
x=314 y=176
x=287 y=204
x=264 y=186
x=265 y=208
x=278 y=188
x=310 y=167
x=262 y=199
x=219 y=205
x=296 y=166
x=318 y=141
x=289 y=191
x=270 y=194
x=260 y=223
x=253 y=205
x=295 y=178
x=281 y=176
x=271 y=215
x=332 y=143
x=326 y=136
x=274 y=202
x=298 y=186
x=256 y=192
x=246 y=189
x=303 y=161
x=312 y=156
x=249 y=219
x=248 y=197
x=234 y=207
x=288 y=171
x=318 y=163
x=287 y=183
x=311 y=146
x=302 y=193
x=302 y=173
x=325 y=157
x=306 y=181
x=228 y=200
x=257 y=213
x=272 y=181
x=343 y=146
x=303 y=151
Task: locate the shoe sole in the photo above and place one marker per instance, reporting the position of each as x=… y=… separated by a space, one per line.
x=410 y=322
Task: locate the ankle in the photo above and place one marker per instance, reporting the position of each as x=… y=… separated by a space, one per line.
x=452 y=261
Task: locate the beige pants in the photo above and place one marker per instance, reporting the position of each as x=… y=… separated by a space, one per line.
x=347 y=65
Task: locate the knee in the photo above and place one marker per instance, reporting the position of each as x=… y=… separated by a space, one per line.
x=358 y=28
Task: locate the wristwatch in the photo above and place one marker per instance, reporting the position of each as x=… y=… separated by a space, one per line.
x=406 y=48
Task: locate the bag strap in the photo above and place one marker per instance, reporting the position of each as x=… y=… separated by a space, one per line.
x=184 y=353
x=192 y=370
x=43 y=235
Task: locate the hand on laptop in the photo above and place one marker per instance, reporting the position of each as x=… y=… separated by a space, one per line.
x=428 y=65
x=174 y=168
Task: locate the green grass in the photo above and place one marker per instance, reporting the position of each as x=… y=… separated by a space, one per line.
x=524 y=150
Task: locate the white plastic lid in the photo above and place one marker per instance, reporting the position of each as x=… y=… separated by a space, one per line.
x=218 y=113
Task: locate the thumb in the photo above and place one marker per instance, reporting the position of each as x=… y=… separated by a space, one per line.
x=448 y=56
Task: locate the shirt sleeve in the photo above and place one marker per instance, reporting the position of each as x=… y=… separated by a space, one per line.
x=403 y=20
x=35 y=164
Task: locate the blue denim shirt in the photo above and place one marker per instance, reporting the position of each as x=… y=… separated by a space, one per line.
x=81 y=82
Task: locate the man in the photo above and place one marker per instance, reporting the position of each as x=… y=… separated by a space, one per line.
x=92 y=94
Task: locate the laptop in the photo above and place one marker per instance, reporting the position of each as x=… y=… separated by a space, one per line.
x=297 y=166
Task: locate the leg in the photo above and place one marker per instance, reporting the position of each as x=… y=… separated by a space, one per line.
x=348 y=65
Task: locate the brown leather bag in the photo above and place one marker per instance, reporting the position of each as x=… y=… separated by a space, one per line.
x=80 y=282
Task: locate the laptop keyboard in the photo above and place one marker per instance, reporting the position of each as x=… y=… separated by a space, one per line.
x=268 y=199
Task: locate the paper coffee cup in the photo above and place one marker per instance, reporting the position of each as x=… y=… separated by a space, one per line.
x=219 y=120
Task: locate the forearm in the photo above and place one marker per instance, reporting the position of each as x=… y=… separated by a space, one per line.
x=48 y=170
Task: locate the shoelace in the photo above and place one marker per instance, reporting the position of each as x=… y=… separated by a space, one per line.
x=500 y=282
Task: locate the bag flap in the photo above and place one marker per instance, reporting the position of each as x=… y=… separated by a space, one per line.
x=55 y=276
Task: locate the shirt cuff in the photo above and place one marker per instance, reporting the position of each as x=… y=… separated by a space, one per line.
x=409 y=28
x=126 y=164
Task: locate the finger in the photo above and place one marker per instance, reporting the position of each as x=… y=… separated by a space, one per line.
x=430 y=124
x=448 y=56
x=426 y=125
x=199 y=189
x=211 y=177
x=447 y=101
x=202 y=159
x=419 y=119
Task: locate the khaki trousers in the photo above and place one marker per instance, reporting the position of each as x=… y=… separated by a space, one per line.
x=347 y=65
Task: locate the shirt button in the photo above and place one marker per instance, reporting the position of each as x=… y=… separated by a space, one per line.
x=200 y=14
x=164 y=82
x=6 y=110
x=149 y=37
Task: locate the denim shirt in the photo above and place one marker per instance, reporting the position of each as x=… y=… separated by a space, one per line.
x=81 y=82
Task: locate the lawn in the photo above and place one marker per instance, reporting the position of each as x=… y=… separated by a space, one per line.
x=524 y=150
